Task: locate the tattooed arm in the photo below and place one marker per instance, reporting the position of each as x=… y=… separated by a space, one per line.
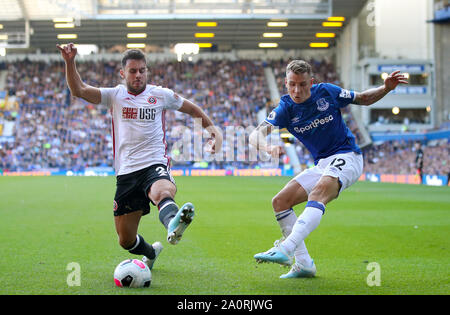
x=372 y=96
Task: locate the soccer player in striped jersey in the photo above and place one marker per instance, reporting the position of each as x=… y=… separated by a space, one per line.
x=311 y=112
x=141 y=162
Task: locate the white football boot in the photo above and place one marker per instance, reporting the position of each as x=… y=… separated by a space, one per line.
x=157 y=246
x=299 y=270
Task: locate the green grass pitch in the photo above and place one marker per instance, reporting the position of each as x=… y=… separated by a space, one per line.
x=48 y=222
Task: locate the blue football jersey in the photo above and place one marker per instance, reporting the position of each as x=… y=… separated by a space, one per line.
x=318 y=122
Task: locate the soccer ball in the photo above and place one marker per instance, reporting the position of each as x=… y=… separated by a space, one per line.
x=132 y=273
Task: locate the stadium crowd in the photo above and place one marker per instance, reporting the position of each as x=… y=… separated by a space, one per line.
x=399 y=157
x=231 y=93
x=55 y=131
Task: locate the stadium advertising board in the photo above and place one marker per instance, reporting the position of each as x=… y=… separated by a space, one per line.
x=428 y=179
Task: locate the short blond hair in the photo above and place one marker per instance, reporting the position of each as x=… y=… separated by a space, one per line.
x=299 y=67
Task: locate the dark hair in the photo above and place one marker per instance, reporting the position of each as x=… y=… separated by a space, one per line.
x=298 y=67
x=133 y=54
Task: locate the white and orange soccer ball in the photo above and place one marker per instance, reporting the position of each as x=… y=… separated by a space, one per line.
x=132 y=273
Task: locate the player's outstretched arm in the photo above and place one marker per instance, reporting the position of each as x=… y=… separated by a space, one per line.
x=258 y=140
x=77 y=87
x=372 y=96
x=195 y=111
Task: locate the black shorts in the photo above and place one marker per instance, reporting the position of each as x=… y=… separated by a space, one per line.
x=132 y=189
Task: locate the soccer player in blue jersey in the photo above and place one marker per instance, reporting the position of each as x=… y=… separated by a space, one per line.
x=311 y=112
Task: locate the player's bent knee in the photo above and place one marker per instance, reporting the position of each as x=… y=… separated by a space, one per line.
x=161 y=195
x=162 y=190
x=280 y=204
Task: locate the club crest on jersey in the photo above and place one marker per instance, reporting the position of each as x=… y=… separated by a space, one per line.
x=152 y=100
x=322 y=105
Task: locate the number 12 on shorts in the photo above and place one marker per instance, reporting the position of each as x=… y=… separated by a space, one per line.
x=338 y=163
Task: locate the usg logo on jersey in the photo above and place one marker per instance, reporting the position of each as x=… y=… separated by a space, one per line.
x=138 y=113
x=345 y=94
x=322 y=104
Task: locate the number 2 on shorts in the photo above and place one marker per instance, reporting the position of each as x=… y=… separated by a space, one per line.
x=161 y=171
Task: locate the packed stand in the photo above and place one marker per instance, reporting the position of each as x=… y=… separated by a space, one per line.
x=230 y=92
x=55 y=131
x=399 y=157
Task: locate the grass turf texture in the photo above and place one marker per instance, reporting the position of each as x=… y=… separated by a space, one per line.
x=48 y=222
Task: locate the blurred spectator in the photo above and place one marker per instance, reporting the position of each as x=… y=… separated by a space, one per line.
x=399 y=157
x=55 y=131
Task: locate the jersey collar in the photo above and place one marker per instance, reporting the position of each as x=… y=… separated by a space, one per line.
x=138 y=93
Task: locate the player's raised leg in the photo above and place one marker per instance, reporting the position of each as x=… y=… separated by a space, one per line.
x=180 y=222
x=162 y=193
x=175 y=219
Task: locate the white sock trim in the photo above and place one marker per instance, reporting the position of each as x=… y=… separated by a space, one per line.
x=166 y=204
x=138 y=240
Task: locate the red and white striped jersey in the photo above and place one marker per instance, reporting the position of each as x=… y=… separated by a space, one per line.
x=138 y=125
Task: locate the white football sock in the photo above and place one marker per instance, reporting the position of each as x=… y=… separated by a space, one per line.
x=286 y=219
x=307 y=222
x=302 y=256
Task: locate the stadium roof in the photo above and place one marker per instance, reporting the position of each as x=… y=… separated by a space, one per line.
x=240 y=23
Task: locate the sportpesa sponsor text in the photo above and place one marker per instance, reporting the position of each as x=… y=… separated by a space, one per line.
x=314 y=124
